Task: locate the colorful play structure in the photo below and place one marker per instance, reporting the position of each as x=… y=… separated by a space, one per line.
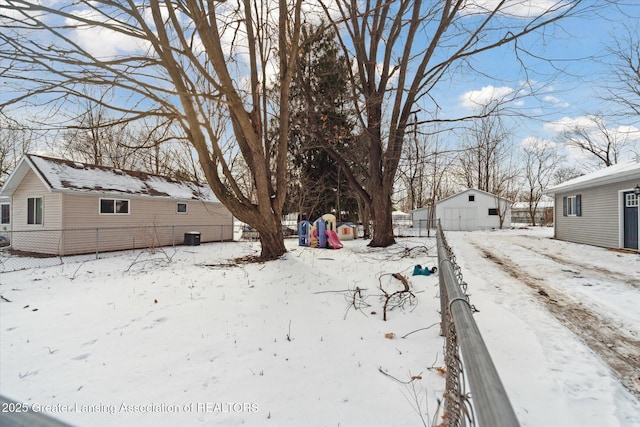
x=319 y=234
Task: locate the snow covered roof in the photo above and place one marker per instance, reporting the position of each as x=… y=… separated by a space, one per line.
x=474 y=190
x=68 y=176
x=609 y=175
x=542 y=204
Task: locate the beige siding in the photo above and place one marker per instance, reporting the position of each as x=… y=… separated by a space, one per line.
x=599 y=224
x=36 y=237
x=150 y=222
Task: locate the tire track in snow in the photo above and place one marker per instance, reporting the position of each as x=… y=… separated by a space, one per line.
x=594 y=270
x=619 y=351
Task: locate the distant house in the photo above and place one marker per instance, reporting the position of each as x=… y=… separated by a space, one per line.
x=422 y=217
x=600 y=208
x=58 y=206
x=469 y=210
x=543 y=214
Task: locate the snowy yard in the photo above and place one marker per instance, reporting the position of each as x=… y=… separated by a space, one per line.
x=196 y=340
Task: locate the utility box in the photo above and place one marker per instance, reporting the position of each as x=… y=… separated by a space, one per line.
x=192 y=238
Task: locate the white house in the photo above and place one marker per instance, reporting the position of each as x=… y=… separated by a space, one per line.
x=473 y=209
x=600 y=208
x=58 y=206
x=422 y=217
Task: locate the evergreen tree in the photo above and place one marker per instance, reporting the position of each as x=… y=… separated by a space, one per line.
x=320 y=122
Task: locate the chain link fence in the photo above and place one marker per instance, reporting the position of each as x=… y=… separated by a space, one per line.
x=42 y=248
x=466 y=356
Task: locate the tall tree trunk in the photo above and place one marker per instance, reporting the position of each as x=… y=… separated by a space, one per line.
x=381 y=207
x=272 y=242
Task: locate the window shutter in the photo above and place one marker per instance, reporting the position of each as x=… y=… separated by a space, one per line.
x=578 y=204
x=564 y=206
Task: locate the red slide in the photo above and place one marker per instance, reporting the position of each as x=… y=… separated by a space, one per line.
x=333 y=239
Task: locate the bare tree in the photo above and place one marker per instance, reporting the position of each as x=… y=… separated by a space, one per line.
x=179 y=60
x=15 y=141
x=96 y=138
x=541 y=161
x=486 y=160
x=400 y=51
x=623 y=83
x=484 y=153
x=597 y=140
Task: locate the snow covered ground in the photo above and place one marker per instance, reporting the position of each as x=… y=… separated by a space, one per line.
x=557 y=318
x=188 y=338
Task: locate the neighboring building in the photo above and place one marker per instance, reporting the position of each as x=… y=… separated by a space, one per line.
x=600 y=208
x=543 y=214
x=401 y=218
x=471 y=209
x=423 y=218
x=68 y=202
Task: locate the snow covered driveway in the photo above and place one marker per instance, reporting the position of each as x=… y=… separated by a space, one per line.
x=577 y=310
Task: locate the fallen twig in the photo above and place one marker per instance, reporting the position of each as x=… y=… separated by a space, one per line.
x=421 y=329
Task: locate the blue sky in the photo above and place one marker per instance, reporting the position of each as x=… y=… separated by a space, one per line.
x=578 y=47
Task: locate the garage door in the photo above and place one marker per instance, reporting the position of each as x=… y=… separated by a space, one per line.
x=460 y=219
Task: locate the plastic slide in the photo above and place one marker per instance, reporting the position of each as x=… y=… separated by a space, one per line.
x=334 y=241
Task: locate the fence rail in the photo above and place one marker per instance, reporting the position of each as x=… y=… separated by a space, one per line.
x=40 y=248
x=467 y=354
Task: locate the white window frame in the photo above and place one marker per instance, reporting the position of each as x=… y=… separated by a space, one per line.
x=572 y=206
x=185 y=211
x=2 y=206
x=115 y=204
x=631 y=200
x=34 y=220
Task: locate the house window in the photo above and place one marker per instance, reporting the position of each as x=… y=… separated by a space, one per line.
x=472 y=198
x=630 y=202
x=493 y=211
x=5 y=214
x=572 y=205
x=114 y=206
x=34 y=210
x=181 y=208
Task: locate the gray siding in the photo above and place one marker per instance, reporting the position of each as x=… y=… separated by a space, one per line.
x=599 y=224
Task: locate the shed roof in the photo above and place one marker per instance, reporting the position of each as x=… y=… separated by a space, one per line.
x=475 y=190
x=609 y=175
x=60 y=175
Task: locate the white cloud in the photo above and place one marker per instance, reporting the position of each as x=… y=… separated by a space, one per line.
x=514 y=8
x=632 y=133
x=99 y=41
x=535 y=143
x=486 y=96
x=567 y=123
x=556 y=101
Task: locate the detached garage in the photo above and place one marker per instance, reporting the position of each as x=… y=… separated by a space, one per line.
x=600 y=208
x=473 y=209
